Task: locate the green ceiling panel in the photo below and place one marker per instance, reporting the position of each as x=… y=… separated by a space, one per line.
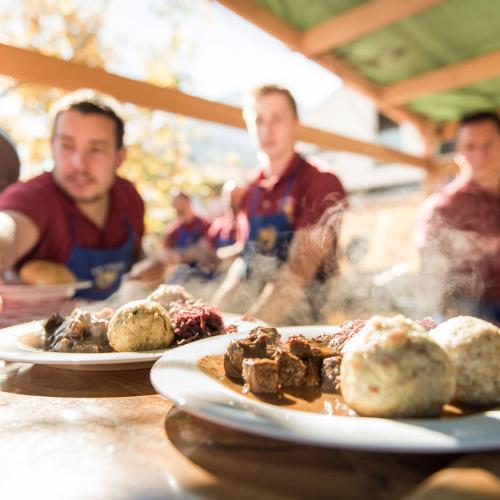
x=303 y=14
x=451 y=105
x=447 y=33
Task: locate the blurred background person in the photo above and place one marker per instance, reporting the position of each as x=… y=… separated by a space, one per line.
x=9 y=162
x=222 y=231
x=81 y=214
x=458 y=228
x=184 y=248
x=288 y=222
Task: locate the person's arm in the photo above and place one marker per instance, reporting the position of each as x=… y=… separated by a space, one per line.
x=18 y=235
x=313 y=244
x=224 y=297
x=308 y=250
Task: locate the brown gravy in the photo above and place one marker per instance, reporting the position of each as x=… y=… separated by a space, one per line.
x=311 y=400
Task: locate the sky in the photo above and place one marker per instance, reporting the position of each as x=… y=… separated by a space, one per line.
x=223 y=55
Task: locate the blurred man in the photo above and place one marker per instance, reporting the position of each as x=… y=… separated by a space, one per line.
x=9 y=162
x=81 y=214
x=289 y=218
x=458 y=230
x=222 y=231
x=183 y=235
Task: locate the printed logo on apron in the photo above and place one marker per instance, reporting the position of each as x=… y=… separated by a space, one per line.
x=105 y=275
x=266 y=239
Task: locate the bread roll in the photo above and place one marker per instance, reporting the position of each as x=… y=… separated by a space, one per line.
x=473 y=346
x=392 y=368
x=45 y=272
x=141 y=325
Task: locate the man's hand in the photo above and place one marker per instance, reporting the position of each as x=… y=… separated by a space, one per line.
x=148 y=270
x=309 y=249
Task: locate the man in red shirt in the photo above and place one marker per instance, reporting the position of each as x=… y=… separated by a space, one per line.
x=222 y=231
x=183 y=235
x=290 y=217
x=458 y=230
x=81 y=214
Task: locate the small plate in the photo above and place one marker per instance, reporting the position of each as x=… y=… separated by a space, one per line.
x=20 y=295
x=18 y=344
x=177 y=376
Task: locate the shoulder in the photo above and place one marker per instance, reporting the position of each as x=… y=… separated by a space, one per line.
x=28 y=196
x=172 y=227
x=444 y=201
x=41 y=184
x=126 y=191
x=320 y=179
x=202 y=222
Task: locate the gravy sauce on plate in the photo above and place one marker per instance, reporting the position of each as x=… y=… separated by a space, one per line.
x=308 y=399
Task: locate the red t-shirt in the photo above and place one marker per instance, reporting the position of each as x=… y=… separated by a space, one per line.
x=458 y=232
x=313 y=193
x=197 y=228
x=59 y=219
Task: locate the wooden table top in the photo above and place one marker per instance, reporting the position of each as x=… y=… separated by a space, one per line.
x=104 y=435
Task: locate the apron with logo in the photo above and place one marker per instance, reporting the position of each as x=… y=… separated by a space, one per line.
x=104 y=267
x=270 y=234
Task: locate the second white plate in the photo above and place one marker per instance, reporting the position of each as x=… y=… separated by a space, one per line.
x=177 y=376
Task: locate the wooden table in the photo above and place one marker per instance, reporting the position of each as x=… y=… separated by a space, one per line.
x=105 y=435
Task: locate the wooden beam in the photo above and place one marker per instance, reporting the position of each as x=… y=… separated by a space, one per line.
x=357 y=82
x=452 y=76
x=30 y=66
x=328 y=140
x=359 y=21
x=264 y=19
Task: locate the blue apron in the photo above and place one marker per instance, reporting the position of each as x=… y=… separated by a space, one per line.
x=224 y=242
x=186 y=238
x=190 y=270
x=270 y=234
x=104 y=267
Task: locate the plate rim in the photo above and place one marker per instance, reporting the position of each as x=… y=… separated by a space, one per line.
x=16 y=354
x=261 y=411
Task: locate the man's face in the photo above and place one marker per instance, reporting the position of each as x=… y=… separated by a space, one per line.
x=85 y=155
x=182 y=206
x=274 y=124
x=478 y=144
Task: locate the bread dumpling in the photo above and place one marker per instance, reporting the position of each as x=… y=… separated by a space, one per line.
x=166 y=294
x=141 y=325
x=392 y=368
x=45 y=272
x=473 y=346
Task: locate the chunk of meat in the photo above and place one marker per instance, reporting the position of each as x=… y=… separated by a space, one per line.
x=299 y=346
x=312 y=377
x=290 y=368
x=254 y=346
x=330 y=372
x=261 y=375
x=79 y=332
x=271 y=333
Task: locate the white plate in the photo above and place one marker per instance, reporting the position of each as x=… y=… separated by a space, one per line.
x=14 y=350
x=177 y=376
x=33 y=294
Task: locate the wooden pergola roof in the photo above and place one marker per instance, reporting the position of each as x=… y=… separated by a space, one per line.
x=404 y=54
x=424 y=61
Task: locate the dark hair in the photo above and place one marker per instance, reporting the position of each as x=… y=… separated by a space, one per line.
x=275 y=89
x=479 y=117
x=91 y=103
